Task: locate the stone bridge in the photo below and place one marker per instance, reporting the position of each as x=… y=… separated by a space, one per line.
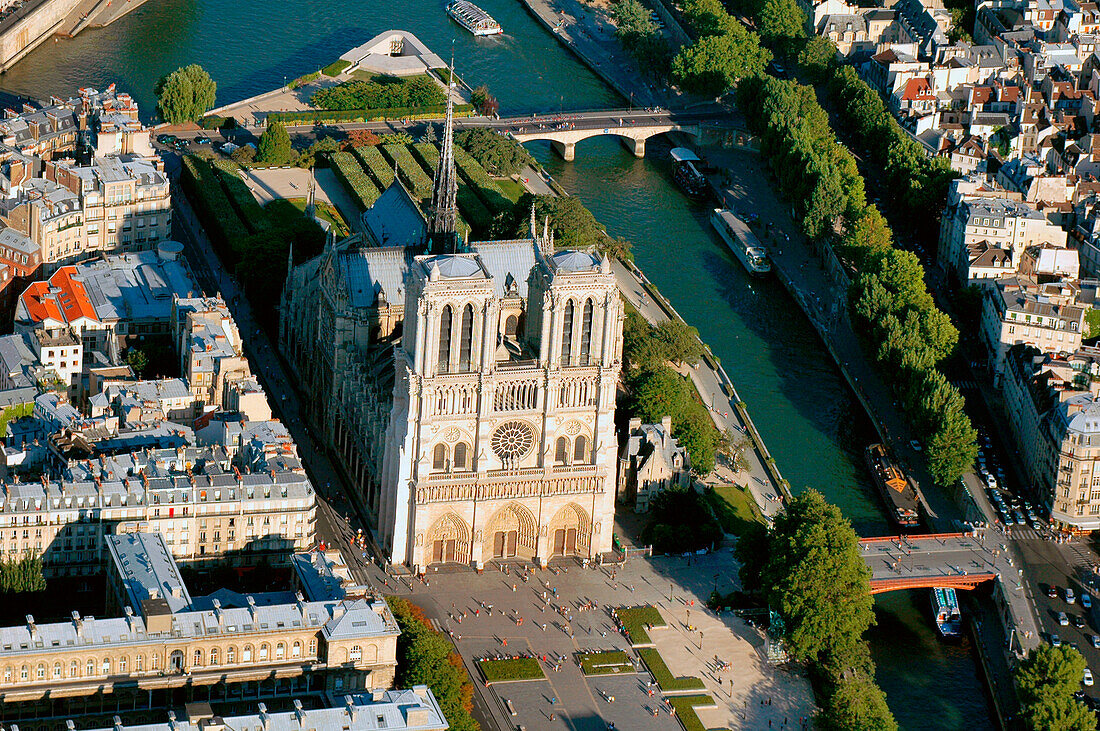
x=633 y=127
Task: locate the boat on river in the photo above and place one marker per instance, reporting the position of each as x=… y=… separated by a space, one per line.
x=897 y=489
x=945 y=608
x=473 y=18
x=741 y=241
x=686 y=174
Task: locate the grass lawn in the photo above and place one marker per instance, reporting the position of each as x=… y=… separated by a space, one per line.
x=605 y=663
x=326 y=212
x=735 y=508
x=664 y=676
x=511 y=188
x=637 y=619
x=685 y=706
x=517 y=668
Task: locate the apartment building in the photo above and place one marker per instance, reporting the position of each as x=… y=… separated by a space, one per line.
x=1053 y=408
x=163 y=644
x=1019 y=310
x=976 y=224
x=206 y=506
x=210 y=347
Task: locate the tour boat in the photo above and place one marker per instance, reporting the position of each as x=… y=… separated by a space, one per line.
x=741 y=241
x=473 y=18
x=945 y=606
x=896 y=488
x=686 y=175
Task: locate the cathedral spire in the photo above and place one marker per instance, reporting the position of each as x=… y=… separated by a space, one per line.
x=443 y=212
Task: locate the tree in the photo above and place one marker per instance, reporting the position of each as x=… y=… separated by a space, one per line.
x=781 y=24
x=857 y=704
x=751 y=552
x=681 y=521
x=498 y=154
x=680 y=341
x=485 y=102
x=574 y=225
x=713 y=64
x=632 y=20
x=1046 y=682
x=709 y=17
x=868 y=232
x=424 y=656
x=137 y=360
x=275 y=147
x=816 y=578
x=22 y=574
x=185 y=94
x=818 y=57
x=364 y=138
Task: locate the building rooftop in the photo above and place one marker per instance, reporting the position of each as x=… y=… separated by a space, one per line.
x=147 y=570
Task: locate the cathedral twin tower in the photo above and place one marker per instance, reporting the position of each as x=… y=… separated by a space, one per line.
x=498 y=439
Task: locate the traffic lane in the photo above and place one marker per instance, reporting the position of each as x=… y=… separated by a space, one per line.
x=1045 y=565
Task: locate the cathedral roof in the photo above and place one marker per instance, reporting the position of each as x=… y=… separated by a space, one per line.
x=368 y=271
x=501 y=258
x=453 y=265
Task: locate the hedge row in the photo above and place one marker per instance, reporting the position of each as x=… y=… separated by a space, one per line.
x=411 y=173
x=303 y=80
x=636 y=620
x=354 y=179
x=685 y=706
x=373 y=162
x=325 y=116
x=605 y=663
x=469 y=203
x=212 y=206
x=668 y=682
x=485 y=187
x=336 y=68
x=516 y=668
x=250 y=212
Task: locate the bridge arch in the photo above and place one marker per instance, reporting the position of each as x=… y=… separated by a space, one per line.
x=633 y=137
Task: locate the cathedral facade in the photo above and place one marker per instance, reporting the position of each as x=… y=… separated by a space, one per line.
x=468 y=390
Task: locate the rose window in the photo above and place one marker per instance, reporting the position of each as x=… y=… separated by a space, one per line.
x=512 y=440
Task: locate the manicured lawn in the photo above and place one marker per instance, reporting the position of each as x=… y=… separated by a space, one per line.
x=326 y=212
x=517 y=668
x=664 y=676
x=511 y=188
x=685 y=706
x=636 y=619
x=605 y=663
x=735 y=508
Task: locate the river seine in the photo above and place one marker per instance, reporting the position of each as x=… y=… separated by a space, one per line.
x=811 y=422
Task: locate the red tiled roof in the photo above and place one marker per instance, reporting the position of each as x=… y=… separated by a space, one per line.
x=61 y=298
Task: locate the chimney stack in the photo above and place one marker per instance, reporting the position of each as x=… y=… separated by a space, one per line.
x=32 y=627
x=79 y=623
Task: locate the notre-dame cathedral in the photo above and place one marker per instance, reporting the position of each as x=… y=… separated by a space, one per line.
x=468 y=389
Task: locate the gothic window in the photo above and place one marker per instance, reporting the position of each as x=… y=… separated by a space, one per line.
x=439 y=458
x=460 y=456
x=567 y=333
x=511 y=326
x=466 y=339
x=512 y=441
x=586 y=332
x=580 y=447
x=445 y=338
x=561 y=451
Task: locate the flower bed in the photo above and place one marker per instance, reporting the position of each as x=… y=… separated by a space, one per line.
x=353 y=177
x=635 y=621
x=664 y=677
x=412 y=174
x=685 y=706
x=605 y=663
x=514 y=668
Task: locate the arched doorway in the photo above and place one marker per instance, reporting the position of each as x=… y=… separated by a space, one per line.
x=569 y=531
x=511 y=533
x=448 y=540
x=175 y=662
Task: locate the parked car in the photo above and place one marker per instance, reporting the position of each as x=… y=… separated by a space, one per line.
x=1096 y=641
x=1063 y=619
x=1087 y=679
x=1055 y=641
x=1070 y=597
x=1079 y=621
x=166 y=139
x=1086 y=600
x=1052 y=591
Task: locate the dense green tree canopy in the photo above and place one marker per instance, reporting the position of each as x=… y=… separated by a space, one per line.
x=817 y=57
x=275 y=147
x=185 y=94
x=497 y=154
x=782 y=25
x=857 y=704
x=816 y=578
x=1046 y=682
x=714 y=64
